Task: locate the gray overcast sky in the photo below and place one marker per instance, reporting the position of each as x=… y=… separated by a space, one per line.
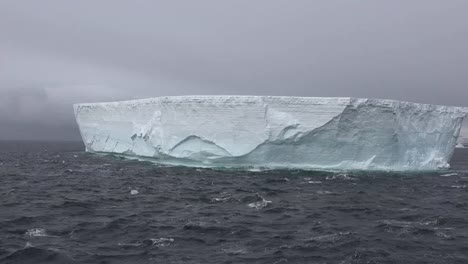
x=55 y=53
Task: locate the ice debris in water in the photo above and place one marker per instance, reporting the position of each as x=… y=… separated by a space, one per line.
x=275 y=132
x=36 y=232
x=134 y=192
x=161 y=242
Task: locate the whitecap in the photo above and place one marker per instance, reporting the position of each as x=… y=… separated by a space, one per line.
x=324 y=192
x=260 y=204
x=224 y=197
x=220 y=199
x=449 y=175
x=235 y=251
x=134 y=192
x=405 y=224
x=443 y=235
x=397 y=223
x=161 y=242
x=341 y=176
x=36 y=232
x=129 y=244
x=310 y=180
x=328 y=238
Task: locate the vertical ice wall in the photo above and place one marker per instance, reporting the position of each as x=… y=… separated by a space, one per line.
x=298 y=132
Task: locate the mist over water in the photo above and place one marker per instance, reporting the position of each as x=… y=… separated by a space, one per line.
x=61 y=205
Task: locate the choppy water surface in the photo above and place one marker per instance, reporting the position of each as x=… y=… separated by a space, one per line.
x=61 y=205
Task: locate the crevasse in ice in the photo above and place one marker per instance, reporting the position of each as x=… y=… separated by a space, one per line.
x=275 y=132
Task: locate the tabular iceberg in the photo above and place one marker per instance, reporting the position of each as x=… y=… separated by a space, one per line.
x=275 y=132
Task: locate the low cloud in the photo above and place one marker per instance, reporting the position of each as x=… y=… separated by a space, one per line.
x=55 y=53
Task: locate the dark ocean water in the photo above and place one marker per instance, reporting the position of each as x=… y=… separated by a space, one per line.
x=59 y=204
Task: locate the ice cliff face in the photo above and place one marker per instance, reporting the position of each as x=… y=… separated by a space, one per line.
x=275 y=132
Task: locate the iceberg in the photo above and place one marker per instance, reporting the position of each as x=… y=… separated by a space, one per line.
x=275 y=132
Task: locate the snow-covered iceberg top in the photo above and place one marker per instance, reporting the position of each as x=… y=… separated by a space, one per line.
x=275 y=132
